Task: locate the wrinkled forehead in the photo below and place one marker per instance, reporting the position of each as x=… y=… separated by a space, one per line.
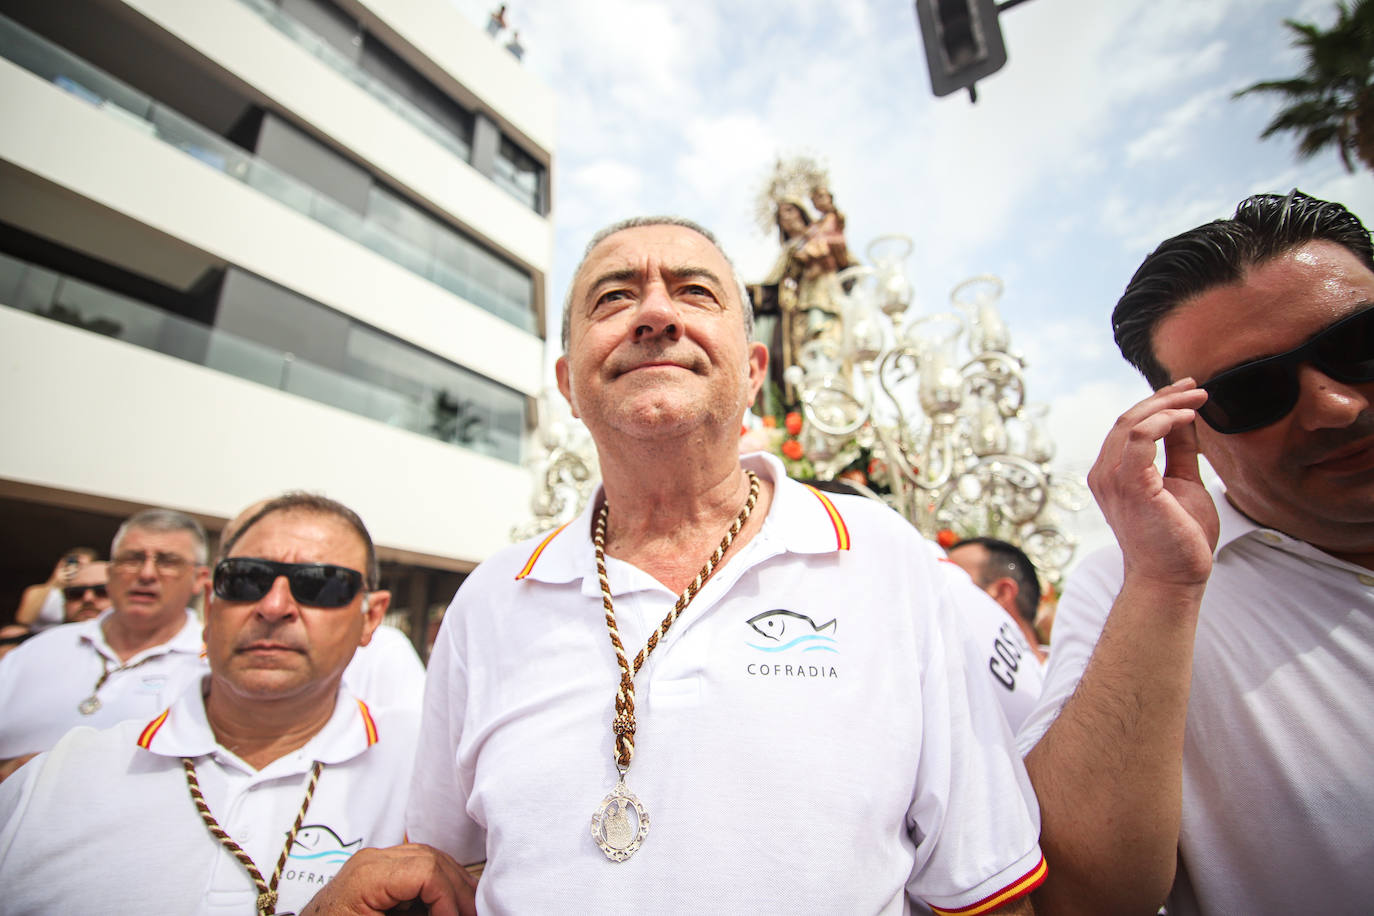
x=648 y=248
x=154 y=540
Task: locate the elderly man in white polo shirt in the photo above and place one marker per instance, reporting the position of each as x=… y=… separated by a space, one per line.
x=803 y=733
x=128 y=663
x=253 y=788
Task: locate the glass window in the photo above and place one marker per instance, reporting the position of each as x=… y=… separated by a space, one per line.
x=286 y=341
x=519 y=174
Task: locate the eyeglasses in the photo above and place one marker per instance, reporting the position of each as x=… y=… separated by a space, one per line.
x=168 y=564
x=76 y=592
x=314 y=584
x=1258 y=393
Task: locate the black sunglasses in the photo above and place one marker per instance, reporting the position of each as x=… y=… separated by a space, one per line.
x=315 y=584
x=1258 y=393
x=73 y=592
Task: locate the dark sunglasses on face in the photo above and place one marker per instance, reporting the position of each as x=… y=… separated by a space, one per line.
x=314 y=584
x=75 y=592
x=1259 y=393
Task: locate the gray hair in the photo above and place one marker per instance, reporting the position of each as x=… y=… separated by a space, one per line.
x=164 y=520
x=640 y=222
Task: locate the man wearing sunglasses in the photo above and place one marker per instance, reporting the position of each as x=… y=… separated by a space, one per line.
x=1216 y=672
x=86 y=594
x=128 y=663
x=254 y=787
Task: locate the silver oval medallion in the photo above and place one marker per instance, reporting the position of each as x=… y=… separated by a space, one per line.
x=89 y=706
x=620 y=824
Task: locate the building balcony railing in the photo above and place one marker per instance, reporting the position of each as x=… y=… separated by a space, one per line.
x=365 y=81
x=69 y=72
x=449 y=413
x=523 y=185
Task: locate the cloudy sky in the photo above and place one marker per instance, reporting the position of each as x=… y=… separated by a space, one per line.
x=1111 y=128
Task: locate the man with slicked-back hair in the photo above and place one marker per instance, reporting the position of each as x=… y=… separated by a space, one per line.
x=1205 y=732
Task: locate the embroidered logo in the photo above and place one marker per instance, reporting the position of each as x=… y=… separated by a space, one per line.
x=783 y=630
x=316 y=855
x=794 y=637
x=323 y=845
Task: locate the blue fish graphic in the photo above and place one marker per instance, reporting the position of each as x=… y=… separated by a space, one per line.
x=787 y=629
x=316 y=841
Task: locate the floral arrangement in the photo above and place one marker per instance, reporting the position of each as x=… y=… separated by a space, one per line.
x=783 y=434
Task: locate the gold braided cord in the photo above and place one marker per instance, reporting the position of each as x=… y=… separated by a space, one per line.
x=267 y=892
x=624 y=723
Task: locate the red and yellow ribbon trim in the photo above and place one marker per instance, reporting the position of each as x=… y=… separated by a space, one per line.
x=1024 y=885
x=841 y=529
x=369 y=724
x=145 y=737
x=534 y=557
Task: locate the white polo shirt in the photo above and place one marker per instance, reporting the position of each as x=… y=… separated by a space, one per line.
x=996 y=646
x=387 y=672
x=45 y=680
x=104 y=823
x=1278 y=783
x=809 y=736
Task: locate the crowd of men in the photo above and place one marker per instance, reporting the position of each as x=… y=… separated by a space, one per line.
x=721 y=689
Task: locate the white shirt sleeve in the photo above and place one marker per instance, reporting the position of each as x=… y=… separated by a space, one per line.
x=437 y=811
x=1088 y=598
x=975 y=818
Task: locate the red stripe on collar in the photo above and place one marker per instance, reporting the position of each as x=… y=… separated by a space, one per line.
x=534 y=557
x=369 y=724
x=145 y=737
x=841 y=529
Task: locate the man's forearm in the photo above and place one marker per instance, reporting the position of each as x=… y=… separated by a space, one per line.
x=1108 y=772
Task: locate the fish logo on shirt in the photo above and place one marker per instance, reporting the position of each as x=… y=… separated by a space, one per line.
x=782 y=630
x=318 y=842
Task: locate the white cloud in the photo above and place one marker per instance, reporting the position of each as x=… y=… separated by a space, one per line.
x=1079 y=422
x=1166 y=140
x=1109 y=130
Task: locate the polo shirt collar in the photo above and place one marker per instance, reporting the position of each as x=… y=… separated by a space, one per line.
x=187 y=639
x=1234 y=523
x=801 y=519
x=1237 y=526
x=184 y=731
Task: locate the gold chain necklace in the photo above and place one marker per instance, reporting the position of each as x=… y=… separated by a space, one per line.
x=267 y=893
x=612 y=826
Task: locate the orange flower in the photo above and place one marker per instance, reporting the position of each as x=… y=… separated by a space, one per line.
x=946 y=538
x=770 y=422
x=792 y=448
x=793 y=422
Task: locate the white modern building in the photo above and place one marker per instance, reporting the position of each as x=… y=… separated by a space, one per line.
x=253 y=245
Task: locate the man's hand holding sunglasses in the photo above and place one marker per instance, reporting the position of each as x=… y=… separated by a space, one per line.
x=1166 y=523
